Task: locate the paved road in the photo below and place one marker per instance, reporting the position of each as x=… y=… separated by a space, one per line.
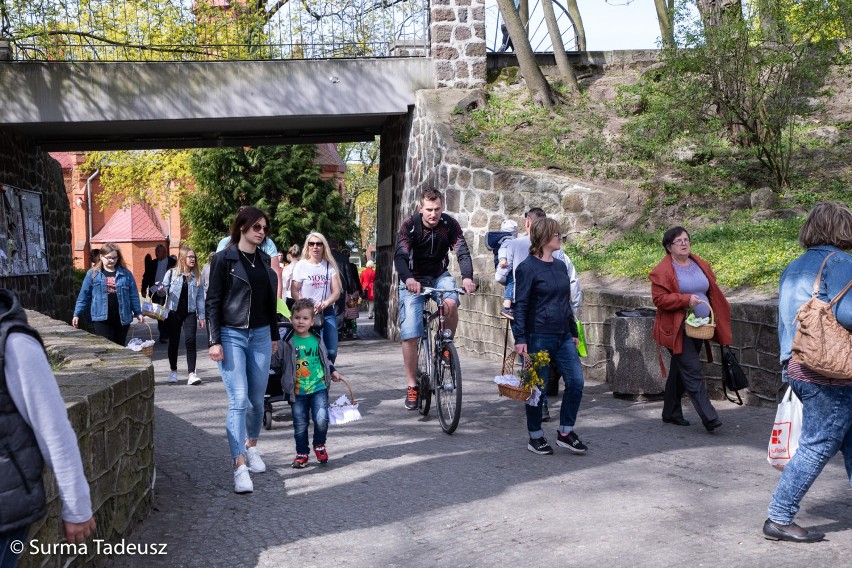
x=399 y=492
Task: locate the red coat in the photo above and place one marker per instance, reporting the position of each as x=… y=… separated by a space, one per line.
x=368 y=279
x=672 y=305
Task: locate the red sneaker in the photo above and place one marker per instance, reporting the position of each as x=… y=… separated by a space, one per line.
x=322 y=455
x=300 y=461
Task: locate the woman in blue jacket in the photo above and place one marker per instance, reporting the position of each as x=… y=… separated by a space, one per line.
x=544 y=321
x=185 y=301
x=110 y=295
x=826 y=402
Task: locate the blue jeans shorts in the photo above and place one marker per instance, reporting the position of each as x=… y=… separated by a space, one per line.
x=411 y=306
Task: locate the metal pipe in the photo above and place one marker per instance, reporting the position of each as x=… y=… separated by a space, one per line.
x=89 y=202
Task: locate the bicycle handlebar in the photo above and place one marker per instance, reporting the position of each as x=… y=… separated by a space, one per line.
x=426 y=290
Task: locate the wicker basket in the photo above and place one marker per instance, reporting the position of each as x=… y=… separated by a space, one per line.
x=515 y=393
x=147 y=351
x=154 y=310
x=705 y=331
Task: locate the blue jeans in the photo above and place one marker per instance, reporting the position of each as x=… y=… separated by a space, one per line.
x=826 y=428
x=328 y=333
x=9 y=559
x=563 y=353
x=245 y=372
x=509 y=292
x=411 y=306
x=317 y=404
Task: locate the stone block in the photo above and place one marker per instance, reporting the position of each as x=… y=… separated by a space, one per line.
x=482 y=179
x=475 y=49
x=462 y=34
x=632 y=366
x=442 y=33
x=443 y=15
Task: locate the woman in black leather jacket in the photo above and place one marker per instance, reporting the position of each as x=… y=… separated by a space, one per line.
x=544 y=321
x=243 y=333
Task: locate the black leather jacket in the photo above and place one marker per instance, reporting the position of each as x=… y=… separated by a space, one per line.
x=228 y=301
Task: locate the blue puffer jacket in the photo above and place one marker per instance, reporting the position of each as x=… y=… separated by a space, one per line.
x=173 y=283
x=93 y=295
x=796 y=287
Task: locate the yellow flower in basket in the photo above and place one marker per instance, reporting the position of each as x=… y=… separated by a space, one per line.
x=529 y=374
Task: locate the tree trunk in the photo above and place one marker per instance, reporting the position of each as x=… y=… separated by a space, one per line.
x=565 y=69
x=574 y=12
x=537 y=85
x=665 y=15
x=523 y=8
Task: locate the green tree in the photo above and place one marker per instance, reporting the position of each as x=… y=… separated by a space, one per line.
x=362 y=182
x=158 y=177
x=728 y=67
x=284 y=181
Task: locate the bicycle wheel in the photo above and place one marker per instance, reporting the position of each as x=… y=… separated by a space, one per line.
x=448 y=389
x=424 y=373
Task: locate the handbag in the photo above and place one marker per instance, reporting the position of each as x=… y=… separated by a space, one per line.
x=784 y=440
x=319 y=318
x=733 y=376
x=821 y=344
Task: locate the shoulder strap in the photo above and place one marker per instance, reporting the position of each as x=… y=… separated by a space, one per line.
x=819 y=273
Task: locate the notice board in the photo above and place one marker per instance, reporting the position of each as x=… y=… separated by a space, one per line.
x=23 y=248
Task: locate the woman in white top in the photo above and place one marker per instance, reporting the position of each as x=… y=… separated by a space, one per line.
x=315 y=276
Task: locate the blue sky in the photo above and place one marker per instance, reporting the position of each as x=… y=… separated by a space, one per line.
x=633 y=26
x=614 y=25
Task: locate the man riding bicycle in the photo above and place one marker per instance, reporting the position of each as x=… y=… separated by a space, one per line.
x=421 y=259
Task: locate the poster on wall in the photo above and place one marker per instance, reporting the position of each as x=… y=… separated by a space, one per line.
x=23 y=249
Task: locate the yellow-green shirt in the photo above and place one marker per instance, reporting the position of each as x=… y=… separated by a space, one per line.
x=310 y=376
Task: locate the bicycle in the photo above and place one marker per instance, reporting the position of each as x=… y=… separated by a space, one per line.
x=438 y=367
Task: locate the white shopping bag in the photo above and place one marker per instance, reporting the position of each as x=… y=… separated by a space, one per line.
x=784 y=440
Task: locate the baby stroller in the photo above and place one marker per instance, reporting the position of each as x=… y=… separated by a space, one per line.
x=274 y=391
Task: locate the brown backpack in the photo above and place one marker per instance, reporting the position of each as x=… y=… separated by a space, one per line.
x=821 y=344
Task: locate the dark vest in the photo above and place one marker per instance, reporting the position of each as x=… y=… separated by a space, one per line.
x=21 y=463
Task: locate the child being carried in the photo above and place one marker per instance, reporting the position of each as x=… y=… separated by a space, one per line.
x=497 y=241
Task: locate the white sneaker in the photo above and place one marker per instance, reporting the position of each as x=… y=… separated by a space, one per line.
x=192 y=379
x=242 y=480
x=173 y=378
x=255 y=464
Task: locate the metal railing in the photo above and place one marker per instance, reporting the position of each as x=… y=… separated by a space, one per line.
x=193 y=30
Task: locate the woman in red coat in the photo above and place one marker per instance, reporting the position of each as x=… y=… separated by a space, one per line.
x=368 y=280
x=680 y=281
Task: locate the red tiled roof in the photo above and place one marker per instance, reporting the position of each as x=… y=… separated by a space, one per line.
x=329 y=159
x=134 y=223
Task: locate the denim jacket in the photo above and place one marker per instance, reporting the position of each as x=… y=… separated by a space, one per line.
x=93 y=295
x=796 y=287
x=173 y=283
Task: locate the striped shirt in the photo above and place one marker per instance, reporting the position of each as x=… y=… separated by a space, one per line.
x=796 y=370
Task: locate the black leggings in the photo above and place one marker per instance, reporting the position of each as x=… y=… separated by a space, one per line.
x=113 y=331
x=188 y=324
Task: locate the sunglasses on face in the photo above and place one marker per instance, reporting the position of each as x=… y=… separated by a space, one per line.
x=315 y=244
x=112 y=258
x=258 y=228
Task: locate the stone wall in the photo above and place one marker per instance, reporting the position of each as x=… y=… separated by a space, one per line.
x=457 y=30
x=754 y=325
x=480 y=196
x=25 y=167
x=109 y=393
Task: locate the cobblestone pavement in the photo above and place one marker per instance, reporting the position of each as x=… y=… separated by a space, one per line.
x=399 y=492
